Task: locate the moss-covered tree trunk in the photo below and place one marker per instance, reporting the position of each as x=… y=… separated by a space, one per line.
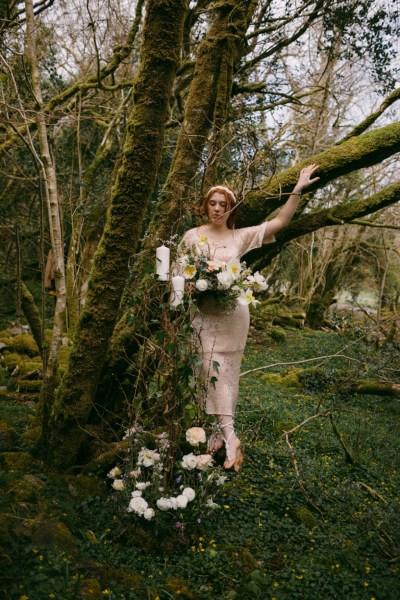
x=208 y=99
x=160 y=53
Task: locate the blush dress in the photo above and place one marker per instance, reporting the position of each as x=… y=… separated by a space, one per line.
x=222 y=334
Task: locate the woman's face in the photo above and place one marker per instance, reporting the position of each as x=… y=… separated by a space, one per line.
x=218 y=209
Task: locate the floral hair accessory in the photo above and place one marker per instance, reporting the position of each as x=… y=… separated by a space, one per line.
x=223 y=187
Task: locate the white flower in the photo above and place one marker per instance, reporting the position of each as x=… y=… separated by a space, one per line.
x=147 y=457
x=225 y=279
x=211 y=504
x=149 y=513
x=204 y=461
x=189 y=493
x=195 y=436
x=182 y=501
x=174 y=503
x=257 y=281
x=115 y=472
x=221 y=480
x=118 y=484
x=142 y=485
x=137 y=505
x=129 y=432
x=164 y=503
x=189 y=271
x=136 y=494
x=135 y=473
x=189 y=461
x=233 y=268
x=248 y=298
x=202 y=285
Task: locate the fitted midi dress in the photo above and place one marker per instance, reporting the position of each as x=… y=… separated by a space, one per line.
x=222 y=334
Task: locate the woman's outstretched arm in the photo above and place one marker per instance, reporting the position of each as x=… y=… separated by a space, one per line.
x=287 y=211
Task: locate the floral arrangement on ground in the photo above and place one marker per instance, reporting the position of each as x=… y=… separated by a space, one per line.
x=154 y=484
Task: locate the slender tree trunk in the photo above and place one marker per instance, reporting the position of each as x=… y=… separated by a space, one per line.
x=141 y=155
x=54 y=214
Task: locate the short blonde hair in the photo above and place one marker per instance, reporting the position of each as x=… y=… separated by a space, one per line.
x=230 y=198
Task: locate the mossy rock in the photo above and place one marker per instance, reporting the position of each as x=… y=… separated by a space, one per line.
x=12 y=360
x=29 y=385
x=31 y=436
x=23 y=491
x=305 y=516
x=277 y=334
x=25 y=344
x=6 y=340
x=242 y=558
x=84 y=486
x=11 y=395
x=291 y=380
x=7 y=437
x=17 y=461
x=55 y=535
x=90 y=589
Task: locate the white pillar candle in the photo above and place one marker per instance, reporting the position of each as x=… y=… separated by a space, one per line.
x=162 y=263
x=178 y=290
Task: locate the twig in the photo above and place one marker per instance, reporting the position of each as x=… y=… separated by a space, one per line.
x=298 y=362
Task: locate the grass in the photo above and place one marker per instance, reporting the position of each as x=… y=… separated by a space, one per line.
x=336 y=539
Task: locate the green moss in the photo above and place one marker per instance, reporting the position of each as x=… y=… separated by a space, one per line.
x=277 y=334
x=305 y=516
x=291 y=380
x=29 y=385
x=25 y=344
x=56 y=535
x=16 y=461
x=7 y=436
x=12 y=360
x=23 y=491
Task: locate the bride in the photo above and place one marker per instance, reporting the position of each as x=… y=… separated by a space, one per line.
x=222 y=334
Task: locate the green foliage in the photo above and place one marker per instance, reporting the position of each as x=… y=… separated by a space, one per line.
x=268 y=540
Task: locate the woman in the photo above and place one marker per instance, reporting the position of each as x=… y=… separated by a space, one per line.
x=223 y=334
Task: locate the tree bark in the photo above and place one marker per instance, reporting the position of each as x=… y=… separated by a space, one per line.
x=48 y=171
x=141 y=155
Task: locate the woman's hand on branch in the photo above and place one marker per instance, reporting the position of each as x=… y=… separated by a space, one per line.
x=306 y=177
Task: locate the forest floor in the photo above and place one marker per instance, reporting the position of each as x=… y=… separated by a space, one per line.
x=335 y=536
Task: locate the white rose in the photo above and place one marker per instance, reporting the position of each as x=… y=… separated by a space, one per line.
x=149 y=513
x=147 y=457
x=225 y=279
x=202 y=285
x=204 y=461
x=115 y=472
x=164 y=504
x=182 y=501
x=137 y=505
x=189 y=461
x=118 y=484
x=189 y=493
x=195 y=436
x=136 y=494
x=142 y=485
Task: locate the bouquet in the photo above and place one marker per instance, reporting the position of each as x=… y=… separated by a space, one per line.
x=226 y=282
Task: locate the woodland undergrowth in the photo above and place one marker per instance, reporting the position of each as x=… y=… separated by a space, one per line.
x=313 y=514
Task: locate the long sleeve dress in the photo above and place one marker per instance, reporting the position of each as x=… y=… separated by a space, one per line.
x=222 y=334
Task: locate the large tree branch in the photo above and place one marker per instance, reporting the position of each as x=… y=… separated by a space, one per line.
x=338 y=215
x=357 y=153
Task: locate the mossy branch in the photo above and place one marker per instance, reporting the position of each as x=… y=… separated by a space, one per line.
x=357 y=153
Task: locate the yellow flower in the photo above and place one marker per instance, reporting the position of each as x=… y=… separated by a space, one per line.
x=24 y=597
x=189 y=271
x=203 y=240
